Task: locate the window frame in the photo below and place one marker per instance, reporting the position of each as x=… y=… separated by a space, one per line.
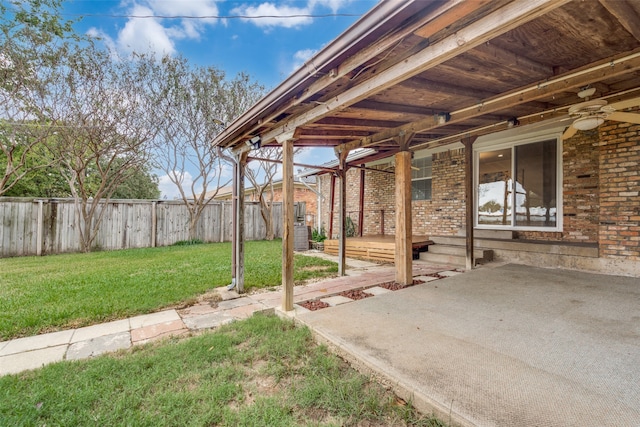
x=424 y=178
x=510 y=142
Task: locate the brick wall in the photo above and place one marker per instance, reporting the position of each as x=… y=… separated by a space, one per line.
x=601 y=194
x=619 y=190
x=300 y=194
x=581 y=210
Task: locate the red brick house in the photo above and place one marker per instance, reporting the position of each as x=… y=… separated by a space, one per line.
x=502 y=123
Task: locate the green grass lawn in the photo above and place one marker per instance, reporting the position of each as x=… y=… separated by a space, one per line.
x=263 y=371
x=43 y=294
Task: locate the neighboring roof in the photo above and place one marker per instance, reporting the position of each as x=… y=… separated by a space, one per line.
x=301 y=181
x=442 y=70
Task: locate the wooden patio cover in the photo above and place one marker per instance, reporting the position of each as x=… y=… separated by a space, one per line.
x=416 y=74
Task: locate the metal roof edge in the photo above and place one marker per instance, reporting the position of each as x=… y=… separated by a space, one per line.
x=374 y=18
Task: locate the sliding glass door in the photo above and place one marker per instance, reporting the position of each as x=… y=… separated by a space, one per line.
x=518 y=186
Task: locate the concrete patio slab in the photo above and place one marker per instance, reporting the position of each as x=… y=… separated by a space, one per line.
x=100 y=345
x=52 y=339
x=95 y=331
x=506 y=346
x=336 y=300
x=153 y=318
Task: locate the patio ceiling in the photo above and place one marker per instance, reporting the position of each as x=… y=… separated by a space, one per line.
x=443 y=70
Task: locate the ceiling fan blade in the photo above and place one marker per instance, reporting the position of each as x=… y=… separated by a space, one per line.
x=624 y=117
x=621 y=105
x=569 y=132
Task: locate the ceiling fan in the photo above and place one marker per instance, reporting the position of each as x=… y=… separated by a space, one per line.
x=590 y=114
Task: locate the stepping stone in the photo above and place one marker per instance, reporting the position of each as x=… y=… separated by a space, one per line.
x=37 y=342
x=377 y=290
x=336 y=300
x=206 y=321
x=449 y=273
x=426 y=278
x=97 y=346
x=35 y=359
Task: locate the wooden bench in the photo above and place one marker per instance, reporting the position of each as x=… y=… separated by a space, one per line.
x=375 y=248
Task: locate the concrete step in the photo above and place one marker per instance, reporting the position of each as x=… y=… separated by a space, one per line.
x=541 y=247
x=454 y=255
x=489 y=234
x=457 y=250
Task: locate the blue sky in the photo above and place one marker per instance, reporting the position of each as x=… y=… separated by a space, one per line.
x=268 y=49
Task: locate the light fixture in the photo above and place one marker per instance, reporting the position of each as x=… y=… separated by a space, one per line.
x=254 y=143
x=589 y=122
x=512 y=122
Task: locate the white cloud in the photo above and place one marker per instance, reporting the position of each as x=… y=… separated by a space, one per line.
x=158 y=35
x=334 y=5
x=168 y=190
x=300 y=57
x=274 y=15
x=145 y=35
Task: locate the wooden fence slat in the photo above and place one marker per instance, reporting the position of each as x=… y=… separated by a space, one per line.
x=126 y=224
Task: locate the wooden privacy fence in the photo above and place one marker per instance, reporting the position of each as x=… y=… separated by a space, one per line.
x=48 y=226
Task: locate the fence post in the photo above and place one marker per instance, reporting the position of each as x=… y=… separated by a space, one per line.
x=154 y=223
x=39 y=228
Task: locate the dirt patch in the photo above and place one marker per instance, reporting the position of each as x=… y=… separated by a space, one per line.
x=394 y=286
x=356 y=294
x=314 y=305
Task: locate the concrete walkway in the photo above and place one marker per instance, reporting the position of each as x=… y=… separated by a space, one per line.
x=33 y=352
x=505 y=346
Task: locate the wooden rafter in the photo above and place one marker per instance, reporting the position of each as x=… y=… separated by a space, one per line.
x=476 y=33
x=625 y=14
x=608 y=68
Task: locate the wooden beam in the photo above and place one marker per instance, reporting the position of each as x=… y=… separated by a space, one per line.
x=625 y=14
x=368 y=53
x=606 y=69
x=456 y=13
x=469 y=197
x=484 y=29
x=321 y=168
x=287 y=226
x=404 y=252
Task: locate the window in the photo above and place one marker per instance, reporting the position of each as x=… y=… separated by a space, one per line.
x=421 y=179
x=523 y=176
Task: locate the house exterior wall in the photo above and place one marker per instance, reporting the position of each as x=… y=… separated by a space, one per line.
x=299 y=195
x=619 y=227
x=601 y=194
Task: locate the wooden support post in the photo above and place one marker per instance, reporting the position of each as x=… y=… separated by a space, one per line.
x=288 y=223
x=239 y=222
x=468 y=197
x=404 y=253
x=332 y=200
x=342 y=203
x=361 y=211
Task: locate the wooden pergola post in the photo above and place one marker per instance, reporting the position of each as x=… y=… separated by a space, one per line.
x=468 y=197
x=404 y=229
x=288 y=223
x=342 y=224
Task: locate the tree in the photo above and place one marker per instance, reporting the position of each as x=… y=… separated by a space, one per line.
x=104 y=120
x=261 y=174
x=33 y=41
x=196 y=103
